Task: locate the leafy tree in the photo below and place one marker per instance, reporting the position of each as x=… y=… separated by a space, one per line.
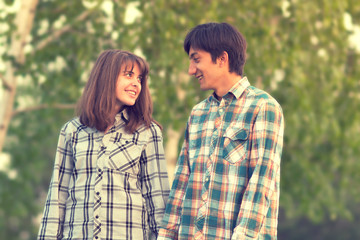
x=299 y=51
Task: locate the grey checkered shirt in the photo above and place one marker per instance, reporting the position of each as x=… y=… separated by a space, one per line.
x=106 y=186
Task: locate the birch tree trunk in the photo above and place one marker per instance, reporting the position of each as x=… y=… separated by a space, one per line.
x=24 y=21
x=171 y=151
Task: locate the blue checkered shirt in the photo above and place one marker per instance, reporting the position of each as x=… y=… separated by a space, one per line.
x=227 y=179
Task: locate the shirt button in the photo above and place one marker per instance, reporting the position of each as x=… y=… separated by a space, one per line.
x=98 y=193
x=97 y=216
x=96 y=237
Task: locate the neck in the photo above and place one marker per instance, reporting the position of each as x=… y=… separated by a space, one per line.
x=217 y=96
x=227 y=84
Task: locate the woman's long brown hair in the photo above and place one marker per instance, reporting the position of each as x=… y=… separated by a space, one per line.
x=97 y=103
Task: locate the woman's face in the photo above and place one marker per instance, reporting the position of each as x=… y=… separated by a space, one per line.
x=128 y=86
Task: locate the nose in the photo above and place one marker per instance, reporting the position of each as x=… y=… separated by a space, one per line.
x=192 y=69
x=136 y=83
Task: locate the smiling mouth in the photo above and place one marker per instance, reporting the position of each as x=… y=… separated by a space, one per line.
x=199 y=77
x=133 y=93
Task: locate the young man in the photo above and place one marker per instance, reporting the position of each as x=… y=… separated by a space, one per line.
x=227 y=177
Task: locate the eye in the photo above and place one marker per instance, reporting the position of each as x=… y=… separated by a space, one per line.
x=140 y=79
x=196 y=60
x=128 y=74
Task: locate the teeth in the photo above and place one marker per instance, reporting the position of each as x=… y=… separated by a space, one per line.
x=132 y=92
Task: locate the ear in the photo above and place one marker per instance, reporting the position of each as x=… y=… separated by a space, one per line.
x=223 y=59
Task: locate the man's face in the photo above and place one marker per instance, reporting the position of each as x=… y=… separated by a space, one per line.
x=203 y=68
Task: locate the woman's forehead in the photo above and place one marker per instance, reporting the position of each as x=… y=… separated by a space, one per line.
x=129 y=65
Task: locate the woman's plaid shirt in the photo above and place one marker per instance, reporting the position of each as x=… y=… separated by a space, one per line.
x=106 y=186
x=227 y=178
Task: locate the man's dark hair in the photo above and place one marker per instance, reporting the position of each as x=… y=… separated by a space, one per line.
x=216 y=38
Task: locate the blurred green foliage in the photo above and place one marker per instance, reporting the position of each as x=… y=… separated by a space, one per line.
x=297 y=50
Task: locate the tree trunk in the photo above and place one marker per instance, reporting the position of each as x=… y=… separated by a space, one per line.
x=24 y=21
x=171 y=151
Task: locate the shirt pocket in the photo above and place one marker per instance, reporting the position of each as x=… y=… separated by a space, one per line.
x=125 y=156
x=235 y=145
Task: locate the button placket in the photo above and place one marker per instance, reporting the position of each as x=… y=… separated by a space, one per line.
x=200 y=218
x=206 y=181
x=97 y=219
x=98 y=186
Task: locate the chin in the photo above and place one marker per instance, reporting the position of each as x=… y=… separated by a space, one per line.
x=129 y=104
x=204 y=88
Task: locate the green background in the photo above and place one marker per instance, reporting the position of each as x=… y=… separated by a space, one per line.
x=302 y=52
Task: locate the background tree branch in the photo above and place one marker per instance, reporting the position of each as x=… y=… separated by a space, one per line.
x=56 y=34
x=43 y=106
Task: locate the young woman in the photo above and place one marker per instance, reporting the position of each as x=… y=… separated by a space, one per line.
x=110 y=179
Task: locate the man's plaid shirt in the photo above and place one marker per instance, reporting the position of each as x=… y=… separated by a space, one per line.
x=106 y=186
x=227 y=178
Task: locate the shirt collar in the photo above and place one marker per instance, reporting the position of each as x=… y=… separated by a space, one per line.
x=240 y=87
x=236 y=90
x=122 y=116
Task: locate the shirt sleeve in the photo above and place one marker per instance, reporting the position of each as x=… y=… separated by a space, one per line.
x=155 y=182
x=53 y=216
x=170 y=225
x=259 y=206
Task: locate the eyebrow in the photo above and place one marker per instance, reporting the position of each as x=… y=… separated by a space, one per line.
x=128 y=71
x=192 y=55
